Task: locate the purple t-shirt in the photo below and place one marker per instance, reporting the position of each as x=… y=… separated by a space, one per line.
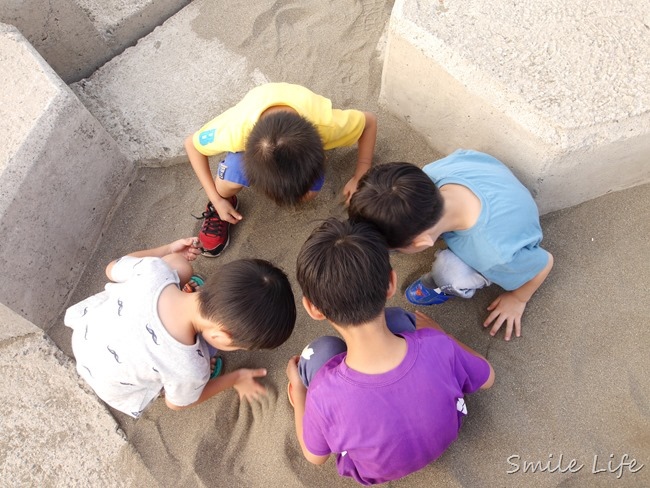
x=385 y=426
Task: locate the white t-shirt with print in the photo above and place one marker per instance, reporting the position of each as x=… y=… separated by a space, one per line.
x=122 y=349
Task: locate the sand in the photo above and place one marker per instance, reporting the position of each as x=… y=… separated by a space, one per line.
x=576 y=384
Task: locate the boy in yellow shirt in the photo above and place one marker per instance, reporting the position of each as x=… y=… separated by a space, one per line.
x=274 y=140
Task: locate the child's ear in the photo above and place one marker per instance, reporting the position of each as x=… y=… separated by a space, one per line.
x=392 y=284
x=311 y=309
x=423 y=241
x=221 y=335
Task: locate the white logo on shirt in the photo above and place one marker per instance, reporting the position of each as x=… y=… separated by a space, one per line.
x=307 y=353
x=460 y=406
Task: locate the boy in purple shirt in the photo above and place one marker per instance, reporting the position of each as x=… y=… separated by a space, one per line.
x=401 y=369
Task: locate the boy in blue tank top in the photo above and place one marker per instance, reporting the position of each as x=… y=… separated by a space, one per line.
x=487 y=218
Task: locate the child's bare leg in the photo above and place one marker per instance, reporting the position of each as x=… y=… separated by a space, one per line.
x=226 y=188
x=453 y=276
x=181 y=265
x=423 y=321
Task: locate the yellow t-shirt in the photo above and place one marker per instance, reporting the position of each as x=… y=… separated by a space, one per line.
x=228 y=131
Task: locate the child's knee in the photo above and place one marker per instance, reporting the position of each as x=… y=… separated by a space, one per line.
x=181 y=266
x=316 y=354
x=454 y=276
x=226 y=188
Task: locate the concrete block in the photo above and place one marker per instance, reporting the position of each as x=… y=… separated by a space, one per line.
x=176 y=79
x=52 y=431
x=557 y=92
x=77 y=36
x=60 y=175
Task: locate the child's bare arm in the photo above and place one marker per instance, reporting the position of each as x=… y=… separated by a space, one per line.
x=201 y=166
x=242 y=380
x=184 y=246
x=366 y=149
x=299 y=397
x=423 y=321
x=509 y=307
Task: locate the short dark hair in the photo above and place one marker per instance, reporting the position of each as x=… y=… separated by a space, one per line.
x=400 y=199
x=344 y=269
x=253 y=301
x=284 y=157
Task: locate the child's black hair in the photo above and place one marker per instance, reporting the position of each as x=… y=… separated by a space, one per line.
x=284 y=157
x=400 y=199
x=344 y=270
x=253 y=301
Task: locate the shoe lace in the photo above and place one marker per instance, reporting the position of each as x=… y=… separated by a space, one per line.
x=213 y=225
x=206 y=214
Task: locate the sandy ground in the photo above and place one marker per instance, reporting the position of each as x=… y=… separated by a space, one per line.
x=575 y=385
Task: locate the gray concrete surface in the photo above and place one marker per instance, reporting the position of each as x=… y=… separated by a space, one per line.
x=557 y=90
x=150 y=111
x=60 y=174
x=77 y=36
x=52 y=431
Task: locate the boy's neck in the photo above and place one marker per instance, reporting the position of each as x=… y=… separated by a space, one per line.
x=462 y=209
x=277 y=108
x=178 y=311
x=372 y=348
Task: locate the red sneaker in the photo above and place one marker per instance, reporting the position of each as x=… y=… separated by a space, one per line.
x=215 y=233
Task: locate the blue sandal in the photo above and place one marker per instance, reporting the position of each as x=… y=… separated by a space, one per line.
x=418 y=294
x=218 y=366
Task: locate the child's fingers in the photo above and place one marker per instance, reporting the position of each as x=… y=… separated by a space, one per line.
x=229 y=218
x=255 y=393
x=518 y=327
x=497 y=325
x=508 y=333
x=233 y=217
x=292 y=368
x=491 y=317
x=492 y=305
x=258 y=373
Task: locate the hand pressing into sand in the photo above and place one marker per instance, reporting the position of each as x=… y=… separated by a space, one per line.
x=506 y=309
x=509 y=307
x=246 y=386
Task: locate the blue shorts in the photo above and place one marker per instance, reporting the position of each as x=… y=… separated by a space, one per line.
x=232 y=169
x=321 y=350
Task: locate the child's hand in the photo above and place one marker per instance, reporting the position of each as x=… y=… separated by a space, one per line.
x=349 y=189
x=226 y=211
x=299 y=392
x=509 y=309
x=246 y=385
x=188 y=247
